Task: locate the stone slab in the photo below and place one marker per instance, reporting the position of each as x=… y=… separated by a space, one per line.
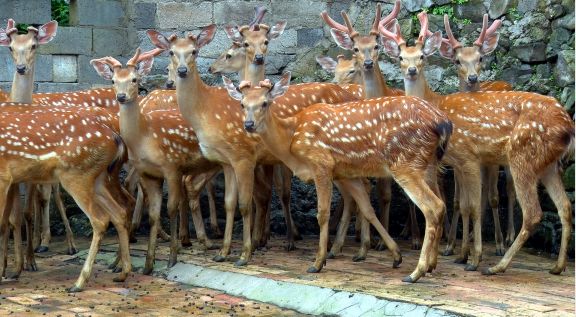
x=109 y=13
x=69 y=40
x=64 y=68
x=183 y=15
x=31 y=11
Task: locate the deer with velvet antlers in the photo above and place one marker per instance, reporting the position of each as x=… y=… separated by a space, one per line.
x=399 y=136
x=527 y=132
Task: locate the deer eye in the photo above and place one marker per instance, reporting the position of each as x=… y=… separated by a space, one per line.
x=264 y=105
x=377 y=47
x=356 y=50
x=242 y=105
x=481 y=59
x=421 y=56
x=266 y=42
x=112 y=81
x=171 y=53
x=194 y=52
x=246 y=44
x=352 y=71
x=228 y=56
x=134 y=80
x=400 y=58
x=10 y=48
x=33 y=46
x=458 y=62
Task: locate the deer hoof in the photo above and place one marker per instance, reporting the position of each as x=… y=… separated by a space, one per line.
x=313 y=269
x=358 y=258
x=41 y=249
x=290 y=246
x=461 y=260
x=147 y=270
x=448 y=252
x=396 y=263
x=241 y=262
x=416 y=245
x=74 y=289
x=408 y=279
x=186 y=244
x=218 y=258
x=331 y=255
x=72 y=251
x=487 y=271
x=500 y=252
x=556 y=270
x=119 y=279
x=471 y=267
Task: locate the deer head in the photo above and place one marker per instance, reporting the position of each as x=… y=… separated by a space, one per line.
x=231 y=61
x=256 y=100
x=183 y=51
x=365 y=47
x=468 y=59
x=23 y=46
x=412 y=58
x=126 y=79
x=346 y=71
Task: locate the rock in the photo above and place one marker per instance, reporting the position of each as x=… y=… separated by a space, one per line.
x=567 y=99
x=441 y=2
x=568 y=5
x=568 y=178
x=473 y=10
x=416 y=5
x=558 y=37
x=532 y=28
x=535 y=52
x=517 y=75
x=566 y=22
x=544 y=70
x=498 y=8
x=554 y=11
x=526 y=6
x=564 y=70
x=436 y=23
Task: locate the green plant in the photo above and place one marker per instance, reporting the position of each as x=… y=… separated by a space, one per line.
x=22 y=28
x=460 y=1
x=514 y=14
x=61 y=12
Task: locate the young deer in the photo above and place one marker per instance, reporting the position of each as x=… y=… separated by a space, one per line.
x=346 y=73
x=525 y=131
x=468 y=61
x=75 y=147
x=399 y=136
x=366 y=50
x=219 y=126
x=161 y=146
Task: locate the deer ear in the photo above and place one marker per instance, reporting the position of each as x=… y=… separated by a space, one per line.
x=432 y=43
x=158 y=39
x=391 y=48
x=206 y=35
x=233 y=33
x=446 y=50
x=342 y=39
x=232 y=89
x=145 y=66
x=277 y=30
x=281 y=86
x=47 y=32
x=489 y=44
x=327 y=63
x=103 y=69
x=4 y=38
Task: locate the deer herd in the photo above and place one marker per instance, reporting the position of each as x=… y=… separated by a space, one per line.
x=260 y=133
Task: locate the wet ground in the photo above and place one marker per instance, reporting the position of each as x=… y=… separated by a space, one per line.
x=525 y=289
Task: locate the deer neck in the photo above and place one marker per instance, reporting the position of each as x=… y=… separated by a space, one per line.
x=465 y=87
x=419 y=87
x=192 y=96
x=22 y=86
x=132 y=123
x=374 y=83
x=253 y=72
x=277 y=136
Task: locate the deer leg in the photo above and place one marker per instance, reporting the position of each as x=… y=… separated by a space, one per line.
x=7 y=194
x=511 y=194
x=348 y=205
x=432 y=207
x=494 y=202
x=230 y=201
x=526 y=186
x=194 y=187
x=323 y=182
x=137 y=214
x=184 y=231
x=384 y=190
x=44 y=199
x=245 y=179
x=211 y=194
x=442 y=195
x=32 y=205
x=471 y=180
x=358 y=191
x=283 y=183
x=38 y=218
x=454 y=222
x=433 y=183
x=174 y=181
x=364 y=238
x=414 y=227
x=263 y=181
x=336 y=216
x=60 y=205
x=153 y=190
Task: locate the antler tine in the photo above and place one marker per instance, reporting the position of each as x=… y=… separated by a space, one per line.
x=11 y=27
x=331 y=23
x=423 y=17
x=391 y=16
x=244 y=84
x=395 y=34
x=487 y=31
x=374 y=30
x=350 y=29
x=111 y=61
x=259 y=13
x=266 y=83
x=134 y=60
x=451 y=39
x=154 y=52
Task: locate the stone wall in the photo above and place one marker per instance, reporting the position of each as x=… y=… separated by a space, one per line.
x=535 y=53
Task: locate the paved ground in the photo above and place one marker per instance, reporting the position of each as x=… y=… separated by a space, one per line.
x=526 y=289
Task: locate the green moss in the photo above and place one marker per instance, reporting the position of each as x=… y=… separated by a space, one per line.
x=514 y=14
x=61 y=12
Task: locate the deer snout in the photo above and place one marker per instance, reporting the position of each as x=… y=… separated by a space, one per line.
x=249 y=126
x=121 y=97
x=473 y=79
x=368 y=64
x=170 y=84
x=21 y=69
x=182 y=71
x=412 y=71
x=259 y=59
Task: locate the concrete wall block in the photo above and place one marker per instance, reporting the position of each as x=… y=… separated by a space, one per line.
x=87 y=74
x=42 y=67
x=220 y=43
x=238 y=12
x=61 y=87
x=65 y=68
x=70 y=40
x=286 y=44
x=145 y=15
x=110 y=42
x=179 y=15
x=97 y=13
x=292 y=11
x=30 y=12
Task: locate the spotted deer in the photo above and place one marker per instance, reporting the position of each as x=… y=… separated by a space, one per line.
x=468 y=61
x=78 y=149
x=161 y=145
x=525 y=131
x=219 y=126
x=399 y=136
x=366 y=50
